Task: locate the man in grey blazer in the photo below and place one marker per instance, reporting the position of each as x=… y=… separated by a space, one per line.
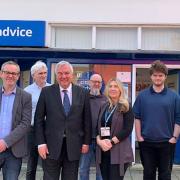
x=15 y=118
x=62 y=125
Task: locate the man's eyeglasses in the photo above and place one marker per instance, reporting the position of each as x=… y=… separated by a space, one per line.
x=98 y=82
x=11 y=73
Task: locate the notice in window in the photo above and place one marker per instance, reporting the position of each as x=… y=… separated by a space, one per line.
x=124 y=77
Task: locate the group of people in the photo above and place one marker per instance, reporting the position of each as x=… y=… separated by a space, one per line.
x=69 y=126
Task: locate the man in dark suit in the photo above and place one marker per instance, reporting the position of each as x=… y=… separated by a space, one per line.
x=15 y=119
x=62 y=125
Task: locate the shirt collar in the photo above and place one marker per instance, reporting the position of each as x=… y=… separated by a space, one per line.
x=68 y=89
x=38 y=86
x=162 y=92
x=12 y=92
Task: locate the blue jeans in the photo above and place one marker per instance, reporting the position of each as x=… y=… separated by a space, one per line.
x=85 y=163
x=11 y=166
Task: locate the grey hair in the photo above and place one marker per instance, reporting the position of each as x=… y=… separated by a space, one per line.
x=62 y=63
x=11 y=63
x=96 y=75
x=37 y=66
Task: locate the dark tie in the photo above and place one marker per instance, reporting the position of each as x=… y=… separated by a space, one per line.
x=66 y=102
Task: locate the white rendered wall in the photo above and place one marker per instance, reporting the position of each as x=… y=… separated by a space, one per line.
x=93 y=11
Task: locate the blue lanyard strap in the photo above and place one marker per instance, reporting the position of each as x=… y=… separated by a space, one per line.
x=109 y=114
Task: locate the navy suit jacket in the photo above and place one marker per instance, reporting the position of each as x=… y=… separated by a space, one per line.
x=51 y=123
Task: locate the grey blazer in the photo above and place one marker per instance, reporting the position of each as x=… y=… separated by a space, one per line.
x=21 y=121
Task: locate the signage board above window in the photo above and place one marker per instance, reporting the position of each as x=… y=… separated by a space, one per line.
x=22 y=33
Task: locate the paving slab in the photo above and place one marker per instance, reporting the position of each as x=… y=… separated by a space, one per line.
x=133 y=173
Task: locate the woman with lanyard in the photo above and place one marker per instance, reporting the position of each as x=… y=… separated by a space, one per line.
x=115 y=124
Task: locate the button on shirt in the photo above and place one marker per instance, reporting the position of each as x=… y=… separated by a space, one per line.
x=7 y=102
x=35 y=91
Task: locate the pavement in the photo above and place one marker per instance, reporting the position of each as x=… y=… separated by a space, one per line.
x=133 y=173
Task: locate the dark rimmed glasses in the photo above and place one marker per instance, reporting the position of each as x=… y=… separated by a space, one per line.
x=11 y=73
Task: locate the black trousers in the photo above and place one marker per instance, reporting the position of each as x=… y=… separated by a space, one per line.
x=157 y=156
x=53 y=168
x=110 y=171
x=32 y=157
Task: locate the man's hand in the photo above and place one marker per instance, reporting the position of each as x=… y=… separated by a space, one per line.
x=140 y=139
x=3 y=146
x=172 y=140
x=85 y=148
x=43 y=151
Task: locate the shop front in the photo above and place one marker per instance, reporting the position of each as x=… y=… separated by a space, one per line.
x=25 y=43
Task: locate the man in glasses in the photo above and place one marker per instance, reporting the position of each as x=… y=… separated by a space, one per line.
x=39 y=75
x=15 y=118
x=96 y=101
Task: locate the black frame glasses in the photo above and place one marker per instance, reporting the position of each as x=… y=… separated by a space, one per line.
x=11 y=73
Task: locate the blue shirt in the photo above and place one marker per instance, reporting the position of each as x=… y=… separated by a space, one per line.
x=158 y=113
x=7 y=102
x=35 y=91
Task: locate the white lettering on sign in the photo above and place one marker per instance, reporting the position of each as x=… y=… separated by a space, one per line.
x=16 y=32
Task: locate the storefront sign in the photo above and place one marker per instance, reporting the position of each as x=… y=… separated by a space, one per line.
x=22 y=33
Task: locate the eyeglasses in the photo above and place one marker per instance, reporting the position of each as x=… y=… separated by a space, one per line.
x=98 y=82
x=11 y=73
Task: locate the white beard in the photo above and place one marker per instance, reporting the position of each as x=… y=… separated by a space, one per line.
x=95 y=92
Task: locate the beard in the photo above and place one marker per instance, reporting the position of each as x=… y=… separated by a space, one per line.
x=95 y=92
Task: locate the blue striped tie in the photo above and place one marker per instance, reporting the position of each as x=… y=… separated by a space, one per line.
x=66 y=102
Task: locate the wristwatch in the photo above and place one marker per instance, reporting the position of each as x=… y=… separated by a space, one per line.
x=175 y=137
x=112 y=142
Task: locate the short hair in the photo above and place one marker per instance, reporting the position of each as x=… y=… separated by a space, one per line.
x=62 y=63
x=37 y=66
x=11 y=63
x=122 y=100
x=97 y=75
x=158 y=66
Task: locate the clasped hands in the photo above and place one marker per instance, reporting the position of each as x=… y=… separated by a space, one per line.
x=105 y=144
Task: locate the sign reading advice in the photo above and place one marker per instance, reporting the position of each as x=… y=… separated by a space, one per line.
x=22 y=33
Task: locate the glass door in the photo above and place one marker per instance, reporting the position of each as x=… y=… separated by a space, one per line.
x=140 y=81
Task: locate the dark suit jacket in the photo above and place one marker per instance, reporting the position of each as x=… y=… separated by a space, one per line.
x=51 y=122
x=21 y=121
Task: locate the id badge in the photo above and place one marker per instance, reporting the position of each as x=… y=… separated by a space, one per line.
x=105 y=131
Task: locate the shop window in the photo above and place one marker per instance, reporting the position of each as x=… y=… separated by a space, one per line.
x=116 y=38
x=161 y=38
x=72 y=37
x=82 y=73
x=24 y=78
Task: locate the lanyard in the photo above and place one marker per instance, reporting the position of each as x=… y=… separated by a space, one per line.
x=109 y=114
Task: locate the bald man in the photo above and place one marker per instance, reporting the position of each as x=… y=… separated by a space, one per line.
x=96 y=101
